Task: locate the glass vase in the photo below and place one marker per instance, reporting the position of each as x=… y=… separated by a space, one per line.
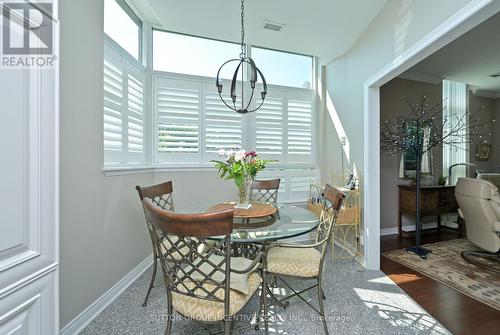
x=243 y=193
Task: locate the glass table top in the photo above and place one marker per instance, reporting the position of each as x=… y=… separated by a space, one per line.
x=289 y=221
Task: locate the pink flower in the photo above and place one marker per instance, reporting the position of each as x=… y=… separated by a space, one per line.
x=251 y=154
x=239 y=155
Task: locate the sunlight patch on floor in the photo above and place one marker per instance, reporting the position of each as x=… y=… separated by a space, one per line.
x=399 y=310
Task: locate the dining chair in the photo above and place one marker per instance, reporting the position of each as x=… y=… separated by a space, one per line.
x=265 y=191
x=305 y=261
x=206 y=284
x=162 y=196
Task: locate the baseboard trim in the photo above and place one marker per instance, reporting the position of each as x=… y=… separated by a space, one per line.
x=76 y=325
x=394 y=230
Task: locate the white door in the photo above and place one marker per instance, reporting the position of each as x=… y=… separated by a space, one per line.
x=29 y=230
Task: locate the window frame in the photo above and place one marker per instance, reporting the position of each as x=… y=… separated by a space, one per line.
x=128 y=65
x=201 y=162
x=313 y=64
x=140 y=24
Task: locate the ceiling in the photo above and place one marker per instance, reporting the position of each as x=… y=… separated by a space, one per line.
x=323 y=28
x=471 y=58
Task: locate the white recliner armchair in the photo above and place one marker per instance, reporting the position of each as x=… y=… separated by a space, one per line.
x=479 y=203
x=493 y=178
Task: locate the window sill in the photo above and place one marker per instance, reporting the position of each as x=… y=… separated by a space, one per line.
x=110 y=171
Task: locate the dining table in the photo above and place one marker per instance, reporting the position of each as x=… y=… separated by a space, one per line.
x=283 y=222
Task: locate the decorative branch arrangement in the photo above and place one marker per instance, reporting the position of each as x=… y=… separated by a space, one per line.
x=426 y=128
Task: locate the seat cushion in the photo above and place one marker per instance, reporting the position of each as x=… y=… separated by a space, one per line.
x=299 y=262
x=206 y=310
x=496 y=227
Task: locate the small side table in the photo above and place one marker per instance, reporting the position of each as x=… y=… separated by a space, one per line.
x=346 y=228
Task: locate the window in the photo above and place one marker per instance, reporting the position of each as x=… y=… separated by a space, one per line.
x=283 y=68
x=187 y=123
x=123 y=26
x=184 y=122
x=186 y=54
x=123 y=109
x=192 y=124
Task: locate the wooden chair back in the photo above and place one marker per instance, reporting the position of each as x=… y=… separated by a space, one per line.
x=334 y=200
x=160 y=194
x=265 y=191
x=183 y=248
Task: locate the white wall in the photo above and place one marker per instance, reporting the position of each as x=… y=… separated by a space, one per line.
x=103 y=234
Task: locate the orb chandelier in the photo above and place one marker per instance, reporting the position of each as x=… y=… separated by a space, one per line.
x=239 y=103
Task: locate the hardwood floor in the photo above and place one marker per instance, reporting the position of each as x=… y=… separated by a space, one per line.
x=457 y=312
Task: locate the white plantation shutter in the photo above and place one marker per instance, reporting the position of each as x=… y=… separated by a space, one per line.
x=299 y=127
x=113 y=107
x=300 y=181
x=192 y=124
x=177 y=111
x=294 y=183
x=223 y=127
x=270 y=128
x=135 y=115
x=270 y=173
x=123 y=117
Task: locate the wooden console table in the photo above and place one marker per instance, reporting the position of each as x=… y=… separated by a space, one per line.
x=434 y=201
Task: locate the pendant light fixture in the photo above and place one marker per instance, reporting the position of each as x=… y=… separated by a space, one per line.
x=243 y=63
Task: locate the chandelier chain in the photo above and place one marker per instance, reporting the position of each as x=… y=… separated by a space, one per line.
x=243 y=53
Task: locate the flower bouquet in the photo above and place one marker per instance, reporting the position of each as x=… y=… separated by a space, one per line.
x=242 y=166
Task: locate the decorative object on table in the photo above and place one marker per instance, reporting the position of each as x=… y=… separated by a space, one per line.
x=442 y=180
x=483 y=152
x=419 y=133
x=256 y=211
x=242 y=166
x=351 y=180
x=446 y=266
x=245 y=66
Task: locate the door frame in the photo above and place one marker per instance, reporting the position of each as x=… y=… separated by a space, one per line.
x=474 y=13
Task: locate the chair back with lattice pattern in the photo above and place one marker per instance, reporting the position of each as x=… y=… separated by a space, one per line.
x=265 y=191
x=160 y=194
x=191 y=264
x=334 y=200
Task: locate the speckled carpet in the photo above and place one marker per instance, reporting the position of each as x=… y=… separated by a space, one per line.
x=357 y=303
x=445 y=265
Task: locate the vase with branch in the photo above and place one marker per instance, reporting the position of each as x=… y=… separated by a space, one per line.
x=425 y=128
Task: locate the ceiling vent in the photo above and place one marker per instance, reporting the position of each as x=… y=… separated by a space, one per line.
x=273 y=26
x=495 y=75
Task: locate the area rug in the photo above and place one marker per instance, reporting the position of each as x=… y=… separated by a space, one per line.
x=445 y=265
